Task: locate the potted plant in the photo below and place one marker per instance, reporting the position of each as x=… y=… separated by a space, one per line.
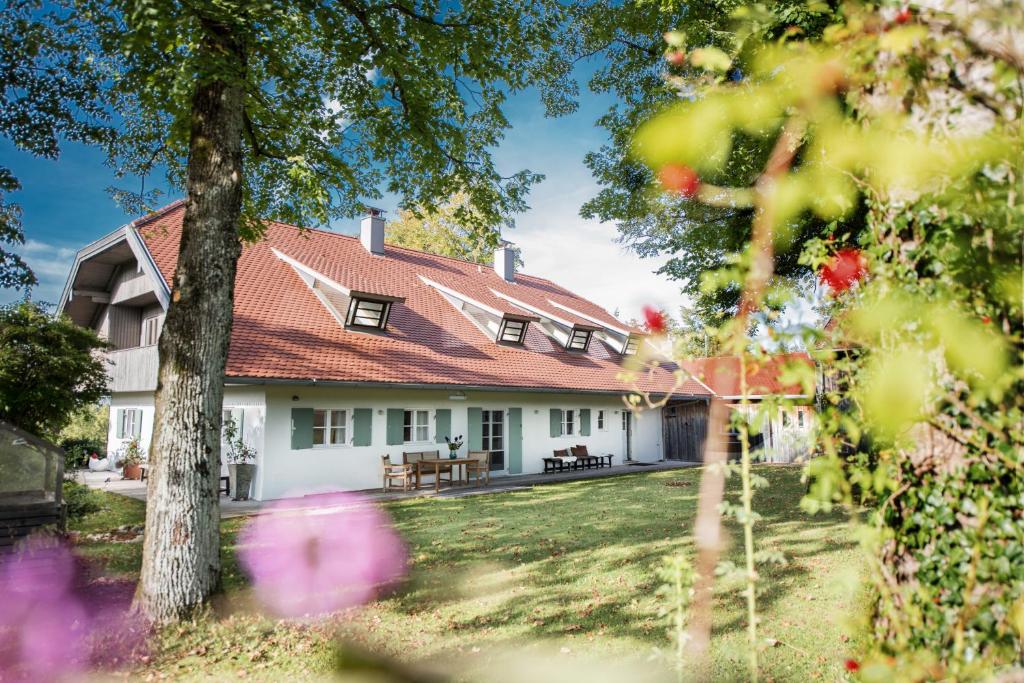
x=453 y=446
x=130 y=460
x=241 y=461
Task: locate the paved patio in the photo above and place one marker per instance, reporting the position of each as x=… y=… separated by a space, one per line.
x=112 y=482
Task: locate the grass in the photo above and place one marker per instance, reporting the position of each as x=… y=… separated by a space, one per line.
x=567 y=568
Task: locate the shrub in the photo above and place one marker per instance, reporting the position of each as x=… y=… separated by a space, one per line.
x=80 y=500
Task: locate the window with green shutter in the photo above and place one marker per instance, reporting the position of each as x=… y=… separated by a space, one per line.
x=362 y=427
x=585 y=422
x=302 y=428
x=556 y=422
x=443 y=423
x=396 y=425
x=475 y=432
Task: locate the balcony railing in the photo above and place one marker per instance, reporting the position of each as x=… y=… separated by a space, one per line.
x=133 y=369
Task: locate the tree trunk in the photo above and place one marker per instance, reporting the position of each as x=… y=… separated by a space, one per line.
x=181 y=553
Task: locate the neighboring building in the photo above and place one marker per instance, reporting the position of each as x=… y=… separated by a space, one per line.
x=343 y=350
x=786 y=437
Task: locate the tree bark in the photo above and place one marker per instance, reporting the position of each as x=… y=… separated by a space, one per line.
x=181 y=552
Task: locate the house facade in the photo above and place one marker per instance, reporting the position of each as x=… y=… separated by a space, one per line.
x=344 y=349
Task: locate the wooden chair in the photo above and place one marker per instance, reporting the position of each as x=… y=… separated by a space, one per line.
x=413 y=458
x=480 y=466
x=392 y=473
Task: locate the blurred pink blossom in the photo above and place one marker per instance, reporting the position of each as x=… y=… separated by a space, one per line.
x=312 y=560
x=55 y=622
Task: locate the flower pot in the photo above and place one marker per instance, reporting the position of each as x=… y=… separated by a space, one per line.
x=241 y=476
x=132 y=472
x=453 y=454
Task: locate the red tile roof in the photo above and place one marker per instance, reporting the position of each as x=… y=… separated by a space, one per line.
x=722 y=374
x=282 y=331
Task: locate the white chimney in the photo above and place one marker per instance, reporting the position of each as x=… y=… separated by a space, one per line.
x=505 y=262
x=371 y=231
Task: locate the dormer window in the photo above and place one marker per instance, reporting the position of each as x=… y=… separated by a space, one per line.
x=579 y=340
x=632 y=345
x=368 y=313
x=512 y=331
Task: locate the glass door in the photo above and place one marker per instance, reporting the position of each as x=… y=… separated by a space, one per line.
x=493 y=432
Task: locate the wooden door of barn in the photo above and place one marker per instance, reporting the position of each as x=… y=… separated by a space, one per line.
x=685 y=430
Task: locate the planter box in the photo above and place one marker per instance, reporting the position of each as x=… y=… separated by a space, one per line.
x=132 y=472
x=241 y=477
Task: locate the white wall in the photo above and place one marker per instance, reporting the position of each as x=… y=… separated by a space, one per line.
x=286 y=472
x=249 y=399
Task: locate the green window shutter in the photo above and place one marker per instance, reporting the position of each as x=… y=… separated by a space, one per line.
x=585 y=422
x=362 y=427
x=515 y=440
x=302 y=428
x=119 y=423
x=396 y=419
x=556 y=422
x=443 y=422
x=137 y=424
x=475 y=437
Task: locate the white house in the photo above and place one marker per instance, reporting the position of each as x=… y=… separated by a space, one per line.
x=344 y=349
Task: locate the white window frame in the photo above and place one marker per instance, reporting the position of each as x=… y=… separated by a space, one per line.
x=602 y=424
x=330 y=440
x=129 y=418
x=569 y=422
x=415 y=426
x=152 y=323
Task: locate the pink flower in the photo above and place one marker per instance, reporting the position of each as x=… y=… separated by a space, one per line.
x=306 y=560
x=54 y=622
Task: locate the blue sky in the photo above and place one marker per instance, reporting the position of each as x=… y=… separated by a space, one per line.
x=66 y=206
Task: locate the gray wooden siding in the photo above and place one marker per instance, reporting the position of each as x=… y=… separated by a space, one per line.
x=133 y=369
x=129 y=283
x=125 y=326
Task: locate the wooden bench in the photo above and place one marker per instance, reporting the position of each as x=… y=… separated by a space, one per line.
x=588 y=460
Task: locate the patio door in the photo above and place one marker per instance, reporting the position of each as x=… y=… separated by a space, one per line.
x=492 y=431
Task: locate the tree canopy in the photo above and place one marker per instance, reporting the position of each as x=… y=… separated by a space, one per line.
x=644 y=77
x=451 y=229
x=48 y=369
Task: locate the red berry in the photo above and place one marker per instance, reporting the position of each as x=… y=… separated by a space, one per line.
x=844 y=269
x=904 y=15
x=676 y=57
x=655 y=320
x=986 y=320
x=852 y=666
x=679 y=178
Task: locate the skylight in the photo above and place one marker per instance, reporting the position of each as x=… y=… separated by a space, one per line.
x=632 y=345
x=512 y=331
x=579 y=340
x=364 y=312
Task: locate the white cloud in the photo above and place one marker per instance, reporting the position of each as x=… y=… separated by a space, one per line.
x=584 y=257
x=51 y=265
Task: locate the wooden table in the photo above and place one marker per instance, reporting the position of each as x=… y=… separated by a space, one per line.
x=435 y=464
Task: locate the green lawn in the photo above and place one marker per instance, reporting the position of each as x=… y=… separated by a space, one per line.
x=566 y=568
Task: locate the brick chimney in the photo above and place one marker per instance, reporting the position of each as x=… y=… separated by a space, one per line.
x=371 y=231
